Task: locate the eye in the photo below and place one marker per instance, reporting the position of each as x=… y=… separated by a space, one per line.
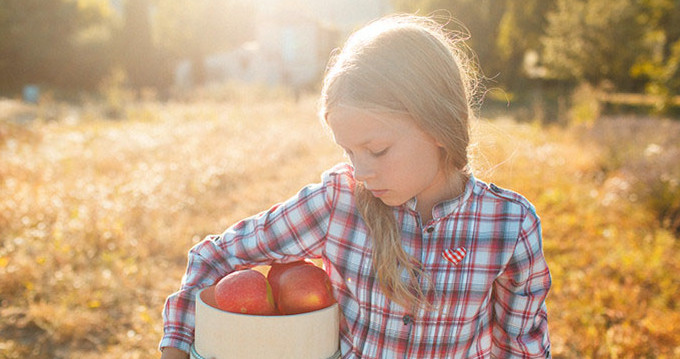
x=379 y=153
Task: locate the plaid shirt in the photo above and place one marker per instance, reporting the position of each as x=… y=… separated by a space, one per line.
x=488 y=278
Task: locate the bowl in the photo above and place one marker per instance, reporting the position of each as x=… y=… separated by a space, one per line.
x=224 y=335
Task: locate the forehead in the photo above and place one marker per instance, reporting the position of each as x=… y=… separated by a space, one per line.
x=352 y=127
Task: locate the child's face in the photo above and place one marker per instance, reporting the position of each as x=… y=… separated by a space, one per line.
x=391 y=155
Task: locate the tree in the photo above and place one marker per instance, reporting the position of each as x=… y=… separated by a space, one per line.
x=35 y=39
x=593 y=41
x=39 y=41
x=193 y=29
x=632 y=44
x=659 y=64
x=501 y=31
x=139 y=55
x=519 y=33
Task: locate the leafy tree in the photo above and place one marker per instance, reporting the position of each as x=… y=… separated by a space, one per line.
x=139 y=55
x=519 y=33
x=501 y=31
x=39 y=41
x=479 y=18
x=593 y=41
x=193 y=29
x=659 y=64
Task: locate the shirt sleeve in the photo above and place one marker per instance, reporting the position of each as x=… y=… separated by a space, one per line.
x=520 y=325
x=288 y=231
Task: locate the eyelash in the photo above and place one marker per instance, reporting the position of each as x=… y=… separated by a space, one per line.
x=349 y=153
x=380 y=153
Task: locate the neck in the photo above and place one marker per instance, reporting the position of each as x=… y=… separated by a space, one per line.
x=450 y=188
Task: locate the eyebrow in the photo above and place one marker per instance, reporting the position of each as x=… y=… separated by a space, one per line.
x=363 y=144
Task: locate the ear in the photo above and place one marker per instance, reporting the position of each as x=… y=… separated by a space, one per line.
x=434 y=140
x=437 y=143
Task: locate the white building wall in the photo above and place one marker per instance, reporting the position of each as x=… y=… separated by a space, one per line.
x=293 y=42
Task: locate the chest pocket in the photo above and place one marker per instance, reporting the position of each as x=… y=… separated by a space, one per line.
x=460 y=283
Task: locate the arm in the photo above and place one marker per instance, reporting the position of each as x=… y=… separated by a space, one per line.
x=520 y=326
x=291 y=230
x=173 y=353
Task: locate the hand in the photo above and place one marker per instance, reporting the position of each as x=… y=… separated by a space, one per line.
x=173 y=353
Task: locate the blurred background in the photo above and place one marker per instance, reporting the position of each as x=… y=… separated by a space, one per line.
x=531 y=50
x=131 y=129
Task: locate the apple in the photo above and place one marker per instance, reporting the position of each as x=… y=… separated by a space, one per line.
x=304 y=288
x=276 y=269
x=245 y=291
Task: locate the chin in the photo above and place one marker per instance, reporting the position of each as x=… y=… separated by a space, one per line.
x=391 y=201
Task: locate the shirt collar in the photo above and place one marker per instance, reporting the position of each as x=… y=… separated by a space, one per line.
x=448 y=206
x=411 y=204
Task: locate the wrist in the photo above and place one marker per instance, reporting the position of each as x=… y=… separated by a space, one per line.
x=173 y=353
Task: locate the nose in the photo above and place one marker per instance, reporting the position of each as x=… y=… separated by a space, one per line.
x=362 y=172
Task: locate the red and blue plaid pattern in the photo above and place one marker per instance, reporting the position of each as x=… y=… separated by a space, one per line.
x=486 y=275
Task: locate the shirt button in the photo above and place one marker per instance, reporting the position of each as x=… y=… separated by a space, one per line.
x=407 y=319
x=430 y=229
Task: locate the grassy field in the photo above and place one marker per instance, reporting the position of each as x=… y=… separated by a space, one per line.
x=96 y=217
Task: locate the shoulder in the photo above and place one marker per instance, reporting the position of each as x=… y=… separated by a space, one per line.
x=340 y=169
x=515 y=211
x=338 y=182
x=512 y=201
x=340 y=175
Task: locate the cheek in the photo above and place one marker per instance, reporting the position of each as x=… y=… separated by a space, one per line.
x=424 y=157
x=406 y=168
x=424 y=167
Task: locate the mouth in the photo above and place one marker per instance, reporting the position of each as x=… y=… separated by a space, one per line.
x=378 y=192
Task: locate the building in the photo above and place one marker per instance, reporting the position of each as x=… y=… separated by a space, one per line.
x=294 y=40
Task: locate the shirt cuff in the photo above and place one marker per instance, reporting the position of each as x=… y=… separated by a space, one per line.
x=177 y=340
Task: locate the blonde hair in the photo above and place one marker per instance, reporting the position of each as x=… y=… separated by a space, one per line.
x=409 y=65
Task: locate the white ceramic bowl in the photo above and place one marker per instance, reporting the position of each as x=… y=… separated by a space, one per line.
x=225 y=335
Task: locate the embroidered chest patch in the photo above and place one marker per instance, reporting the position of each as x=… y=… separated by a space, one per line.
x=454 y=255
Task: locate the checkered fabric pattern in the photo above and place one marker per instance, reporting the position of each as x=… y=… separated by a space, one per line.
x=482 y=252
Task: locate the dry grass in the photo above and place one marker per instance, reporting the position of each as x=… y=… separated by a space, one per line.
x=96 y=217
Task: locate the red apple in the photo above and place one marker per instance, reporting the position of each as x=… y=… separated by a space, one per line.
x=303 y=289
x=245 y=291
x=277 y=269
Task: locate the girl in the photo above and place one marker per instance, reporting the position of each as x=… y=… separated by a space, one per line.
x=426 y=260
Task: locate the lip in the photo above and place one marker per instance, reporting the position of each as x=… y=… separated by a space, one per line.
x=378 y=192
